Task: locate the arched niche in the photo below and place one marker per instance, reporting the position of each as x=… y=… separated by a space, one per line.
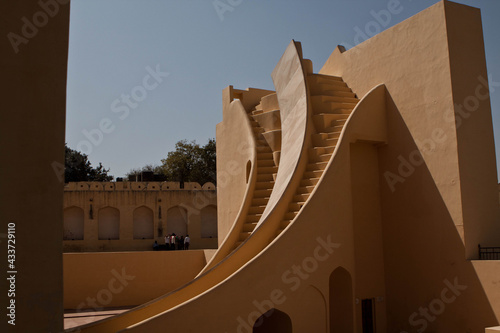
x=209 y=222
x=143 y=223
x=177 y=221
x=73 y=223
x=341 y=302
x=109 y=223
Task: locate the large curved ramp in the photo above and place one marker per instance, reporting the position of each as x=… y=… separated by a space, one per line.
x=315 y=110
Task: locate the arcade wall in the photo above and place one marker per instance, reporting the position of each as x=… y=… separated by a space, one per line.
x=130 y=216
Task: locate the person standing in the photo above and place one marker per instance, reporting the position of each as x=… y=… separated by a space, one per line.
x=167 y=242
x=186 y=242
x=172 y=242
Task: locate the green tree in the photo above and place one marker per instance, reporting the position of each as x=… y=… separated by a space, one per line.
x=77 y=168
x=191 y=163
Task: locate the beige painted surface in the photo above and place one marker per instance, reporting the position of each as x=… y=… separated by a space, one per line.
x=117 y=279
x=358 y=234
x=235 y=148
x=423 y=217
x=126 y=198
x=476 y=146
x=425 y=98
x=32 y=127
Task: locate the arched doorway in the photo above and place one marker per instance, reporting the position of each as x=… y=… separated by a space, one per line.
x=341 y=303
x=143 y=223
x=273 y=321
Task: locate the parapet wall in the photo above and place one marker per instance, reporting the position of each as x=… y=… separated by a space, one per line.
x=99 y=280
x=136 y=186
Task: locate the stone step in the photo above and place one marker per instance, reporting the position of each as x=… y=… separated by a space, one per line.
x=316 y=151
x=265 y=177
x=316 y=166
x=301 y=197
x=309 y=182
x=285 y=223
x=316 y=155
x=266 y=162
x=260 y=201
x=321 y=78
x=306 y=189
x=257 y=130
x=269 y=102
x=295 y=206
x=325 y=142
x=266 y=169
x=249 y=227
x=264 y=156
x=264 y=149
x=313 y=174
x=331 y=91
x=264 y=185
x=253 y=218
x=326 y=120
x=256 y=209
x=244 y=235
x=347 y=101
x=262 y=193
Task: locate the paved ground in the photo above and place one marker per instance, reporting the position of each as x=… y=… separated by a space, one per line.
x=74 y=318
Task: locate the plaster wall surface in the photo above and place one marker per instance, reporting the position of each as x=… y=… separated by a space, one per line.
x=424 y=190
x=234 y=151
x=116 y=279
x=188 y=205
x=32 y=127
x=428 y=89
x=358 y=234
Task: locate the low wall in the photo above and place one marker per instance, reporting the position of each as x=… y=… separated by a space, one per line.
x=117 y=279
x=488 y=272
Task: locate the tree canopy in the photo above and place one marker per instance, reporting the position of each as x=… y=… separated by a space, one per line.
x=77 y=168
x=191 y=162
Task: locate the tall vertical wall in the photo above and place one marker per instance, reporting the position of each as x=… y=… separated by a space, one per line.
x=476 y=147
x=33 y=66
x=431 y=65
x=437 y=172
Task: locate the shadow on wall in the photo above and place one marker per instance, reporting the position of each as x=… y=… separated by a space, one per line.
x=430 y=285
x=273 y=321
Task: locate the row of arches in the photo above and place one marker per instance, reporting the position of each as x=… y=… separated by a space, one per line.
x=143 y=222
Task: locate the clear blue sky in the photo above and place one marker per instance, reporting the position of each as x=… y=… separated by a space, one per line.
x=113 y=42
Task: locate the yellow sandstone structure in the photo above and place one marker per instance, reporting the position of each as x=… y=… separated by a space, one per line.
x=365 y=190
x=131 y=216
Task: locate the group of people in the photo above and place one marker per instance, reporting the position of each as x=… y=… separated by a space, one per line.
x=174 y=242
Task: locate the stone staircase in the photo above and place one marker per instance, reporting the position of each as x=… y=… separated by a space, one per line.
x=332 y=103
x=266 y=126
